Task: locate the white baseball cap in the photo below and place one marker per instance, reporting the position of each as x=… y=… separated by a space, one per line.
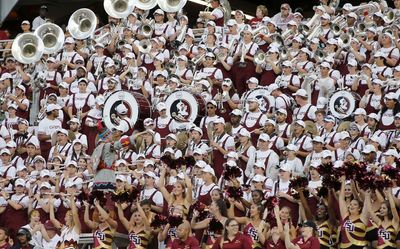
x=301 y=93
x=121 y=109
x=237 y=112
x=360 y=111
x=244 y=133
x=264 y=137
x=326 y=153
x=368 y=149
x=52 y=107
x=208 y=169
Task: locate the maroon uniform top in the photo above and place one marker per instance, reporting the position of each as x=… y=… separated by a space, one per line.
x=5 y=246
x=311 y=243
x=189 y=243
x=240 y=241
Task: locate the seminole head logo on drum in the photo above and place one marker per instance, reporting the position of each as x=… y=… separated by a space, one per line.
x=181 y=110
x=342 y=105
x=184 y=106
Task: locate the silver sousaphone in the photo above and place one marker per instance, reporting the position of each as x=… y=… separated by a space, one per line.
x=119 y=8
x=52 y=37
x=82 y=24
x=145 y=4
x=27 y=48
x=171 y=5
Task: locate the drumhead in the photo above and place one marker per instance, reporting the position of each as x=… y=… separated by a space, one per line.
x=267 y=101
x=182 y=106
x=111 y=103
x=342 y=104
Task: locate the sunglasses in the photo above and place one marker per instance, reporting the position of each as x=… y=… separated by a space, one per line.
x=210 y=107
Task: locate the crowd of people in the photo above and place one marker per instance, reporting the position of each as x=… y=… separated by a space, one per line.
x=295 y=143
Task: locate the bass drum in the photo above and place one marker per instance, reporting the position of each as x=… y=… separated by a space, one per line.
x=138 y=108
x=343 y=103
x=267 y=102
x=185 y=107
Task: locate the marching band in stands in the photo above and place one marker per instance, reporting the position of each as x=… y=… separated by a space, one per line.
x=211 y=131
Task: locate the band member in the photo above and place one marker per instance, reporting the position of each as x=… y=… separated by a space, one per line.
x=301 y=140
x=305 y=111
x=47 y=127
x=244 y=56
x=21 y=101
x=62 y=147
x=94 y=117
x=221 y=143
x=253 y=119
x=80 y=103
x=217 y=15
x=67 y=59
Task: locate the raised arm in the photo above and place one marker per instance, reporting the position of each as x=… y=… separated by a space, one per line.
x=91 y=224
x=189 y=188
x=231 y=213
x=342 y=202
x=53 y=219
x=122 y=218
x=113 y=223
x=75 y=215
x=161 y=186
x=371 y=213
x=389 y=195
x=143 y=215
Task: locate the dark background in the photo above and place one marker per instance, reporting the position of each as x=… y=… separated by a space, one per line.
x=60 y=10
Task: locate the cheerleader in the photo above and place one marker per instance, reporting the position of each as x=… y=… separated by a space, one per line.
x=354 y=220
x=214 y=224
x=254 y=225
x=103 y=225
x=387 y=220
x=72 y=229
x=138 y=227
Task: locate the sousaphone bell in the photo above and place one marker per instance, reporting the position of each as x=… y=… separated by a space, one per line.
x=27 y=48
x=82 y=24
x=171 y=5
x=145 y=4
x=118 y=8
x=52 y=37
